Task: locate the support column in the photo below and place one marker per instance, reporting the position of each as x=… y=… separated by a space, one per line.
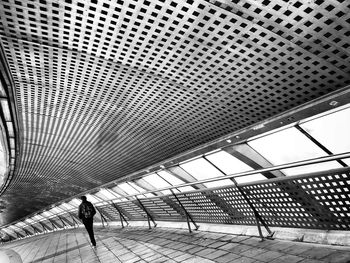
x=149 y=216
x=256 y=214
x=122 y=217
x=103 y=219
x=188 y=216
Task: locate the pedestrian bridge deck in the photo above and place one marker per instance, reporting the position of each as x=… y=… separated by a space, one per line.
x=139 y=244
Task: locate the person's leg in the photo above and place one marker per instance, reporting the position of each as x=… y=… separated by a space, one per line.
x=89 y=227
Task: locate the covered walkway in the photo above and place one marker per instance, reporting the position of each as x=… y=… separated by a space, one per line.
x=139 y=244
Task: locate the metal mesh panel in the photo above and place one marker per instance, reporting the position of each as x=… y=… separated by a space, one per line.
x=129 y=84
x=314 y=202
x=161 y=209
x=201 y=208
x=132 y=211
x=57 y=222
x=67 y=219
x=110 y=212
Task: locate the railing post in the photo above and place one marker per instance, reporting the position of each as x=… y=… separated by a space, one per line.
x=149 y=216
x=74 y=220
x=121 y=216
x=36 y=230
x=256 y=214
x=52 y=223
x=188 y=216
x=103 y=219
x=63 y=223
x=45 y=228
x=26 y=231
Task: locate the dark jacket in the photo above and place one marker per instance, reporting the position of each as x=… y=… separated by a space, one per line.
x=80 y=212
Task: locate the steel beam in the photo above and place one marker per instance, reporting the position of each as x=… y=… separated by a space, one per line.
x=188 y=215
x=122 y=217
x=149 y=216
x=103 y=219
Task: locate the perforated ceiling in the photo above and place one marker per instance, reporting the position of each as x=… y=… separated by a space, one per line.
x=106 y=88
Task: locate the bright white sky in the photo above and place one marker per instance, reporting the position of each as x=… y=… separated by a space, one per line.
x=2 y=163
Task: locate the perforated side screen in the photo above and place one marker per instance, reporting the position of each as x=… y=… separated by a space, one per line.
x=106 y=88
x=312 y=202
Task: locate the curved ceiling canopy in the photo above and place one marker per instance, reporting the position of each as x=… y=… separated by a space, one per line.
x=106 y=88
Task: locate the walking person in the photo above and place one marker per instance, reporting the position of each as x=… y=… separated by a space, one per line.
x=86 y=214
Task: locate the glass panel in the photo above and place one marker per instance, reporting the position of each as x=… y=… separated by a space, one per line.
x=157 y=182
x=127 y=188
x=173 y=180
x=93 y=199
x=119 y=191
x=202 y=169
x=2 y=90
x=105 y=194
x=75 y=202
x=21 y=224
x=113 y=193
x=288 y=146
x=332 y=131
x=6 y=110
x=56 y=210
x=29 y=221
x=37 y=218
x=140 y=190
x=3 y=161
x=66 y=206
x=250 y=178
x=231 y=165
x=48 y=214
x=10 y=129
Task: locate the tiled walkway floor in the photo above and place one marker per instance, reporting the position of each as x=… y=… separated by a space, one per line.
x=168 y=245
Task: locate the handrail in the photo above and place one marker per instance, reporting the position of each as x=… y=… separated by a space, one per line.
x=236 y=175
x=241 y=174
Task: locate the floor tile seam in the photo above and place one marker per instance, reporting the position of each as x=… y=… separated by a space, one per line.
x=20 y=249
x=107 y=246
x=39 y=249
x=79 y=247
x=137 y=241
x=293 y=254
x=207 y=239
x=25 y=250
x=153 y=239
x=177 y=250
x=58 y=242
x=30 y=248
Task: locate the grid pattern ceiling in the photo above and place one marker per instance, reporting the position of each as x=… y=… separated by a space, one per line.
x=105 y=88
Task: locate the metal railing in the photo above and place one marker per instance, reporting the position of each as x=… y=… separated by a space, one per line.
x=230 y=201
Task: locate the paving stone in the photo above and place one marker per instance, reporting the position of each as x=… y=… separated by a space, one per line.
x=239 y=249
x=244 y=260
x=336 y=257
x=156 y=246
x=182 y=257
x=288 y=259
x=270 y=255
x=297 y=249
x=195 y=249
x=204 y=252
x=229 y=257
x=217 y=244
x=229 y=246
x=254 y=253
x=311 y=261
x=316 y=253
x=216 y=254
x=251 y=241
